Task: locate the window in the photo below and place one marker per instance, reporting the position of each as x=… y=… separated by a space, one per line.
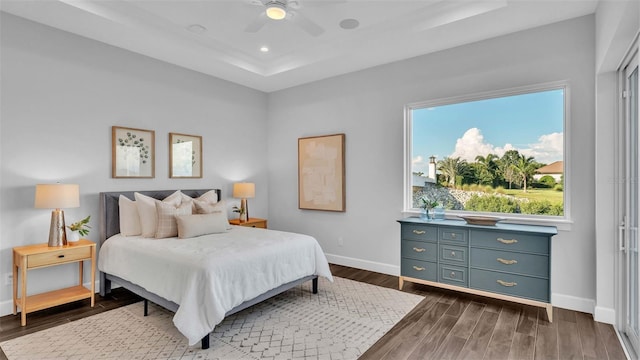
x=498 y=153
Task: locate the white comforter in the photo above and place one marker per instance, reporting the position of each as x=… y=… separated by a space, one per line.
x=210 y=275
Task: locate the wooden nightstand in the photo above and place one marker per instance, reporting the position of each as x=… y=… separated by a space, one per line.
x=39 y=256
x=252 y=222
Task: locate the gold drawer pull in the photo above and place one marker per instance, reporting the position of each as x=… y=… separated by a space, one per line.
x=419 y=232
x=418 y=268
x=507 y=262
x=419 y=249
x=507 y=284
x=508 y=242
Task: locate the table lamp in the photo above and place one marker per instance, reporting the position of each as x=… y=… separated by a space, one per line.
x=57 y=196
x=244 y=191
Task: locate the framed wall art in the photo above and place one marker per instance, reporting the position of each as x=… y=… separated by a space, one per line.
x=321 y=173
x=185 y=156
x=132 y=153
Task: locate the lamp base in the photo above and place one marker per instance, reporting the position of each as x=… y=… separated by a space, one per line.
x=57 y=234
x=244 y=210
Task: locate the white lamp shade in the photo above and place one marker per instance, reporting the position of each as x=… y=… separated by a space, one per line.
x=57 y=196
x=244 y=190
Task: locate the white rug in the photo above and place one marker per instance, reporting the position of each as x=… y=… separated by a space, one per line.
x=340 y=322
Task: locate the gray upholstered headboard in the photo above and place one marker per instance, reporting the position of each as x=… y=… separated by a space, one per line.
x=109 y=209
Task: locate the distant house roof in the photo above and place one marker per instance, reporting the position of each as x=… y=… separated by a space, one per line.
x=553 y=168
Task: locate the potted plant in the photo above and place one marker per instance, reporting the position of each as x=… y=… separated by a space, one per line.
x=241 y=213
x=427 y=207
x=79 y=228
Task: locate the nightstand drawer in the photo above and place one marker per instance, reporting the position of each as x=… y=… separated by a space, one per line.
x=453 y=254
x=419 y=233
x=58 y=257
x=510 y=241
x=512 y=262
x=454 y=235
x=419 y=250
x=510 y=284
x=419 y=269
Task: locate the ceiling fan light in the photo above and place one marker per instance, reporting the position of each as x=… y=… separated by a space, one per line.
x=276 y=11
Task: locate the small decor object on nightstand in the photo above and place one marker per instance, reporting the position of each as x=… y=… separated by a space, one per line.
x=427 y=208
x=78 y=228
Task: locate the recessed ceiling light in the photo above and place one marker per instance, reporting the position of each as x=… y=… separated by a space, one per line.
x=196 y=28
x=264 y=49
x=349 y=24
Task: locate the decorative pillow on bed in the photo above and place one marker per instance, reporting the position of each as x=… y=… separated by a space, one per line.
x=148 y=214
x=167 y=226
x=210 y=197
x=201 y=224
x=129 y=218
x=206 y=208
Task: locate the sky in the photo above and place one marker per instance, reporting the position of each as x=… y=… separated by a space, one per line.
x=531 y=123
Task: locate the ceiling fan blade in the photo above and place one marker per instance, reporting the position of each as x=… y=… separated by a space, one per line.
x=306 y=24
x=257 y=23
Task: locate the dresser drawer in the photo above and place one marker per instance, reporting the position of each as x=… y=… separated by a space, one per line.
x=511 y=241
x=510 y=284
x=58 y=257
x=419 y=232
x=453 y=275
x=453 y=254
x=454 y=235
x=419 y=269
x=419 y=250
x=512 y=262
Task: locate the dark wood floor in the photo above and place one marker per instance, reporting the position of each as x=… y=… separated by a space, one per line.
x=445 y=325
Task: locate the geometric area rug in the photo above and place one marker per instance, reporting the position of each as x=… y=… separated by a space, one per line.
x=340 y=322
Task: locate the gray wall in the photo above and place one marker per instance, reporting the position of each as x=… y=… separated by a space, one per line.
x=368 y=107
x=60 y=96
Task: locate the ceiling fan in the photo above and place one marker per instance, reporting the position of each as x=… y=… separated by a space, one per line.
x=275 y=10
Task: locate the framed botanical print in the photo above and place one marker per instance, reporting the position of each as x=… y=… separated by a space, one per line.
x=132 y=153
x=321 y=177
x=185 y=156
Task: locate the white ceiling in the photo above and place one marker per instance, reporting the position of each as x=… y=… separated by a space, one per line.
x=388 y=31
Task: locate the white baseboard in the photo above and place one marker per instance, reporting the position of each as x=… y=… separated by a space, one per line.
x=573 y=303
x=364 y=264
x=604 y=315
x=6 y=307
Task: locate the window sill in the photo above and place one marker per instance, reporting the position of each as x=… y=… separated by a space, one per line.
x=561 y=223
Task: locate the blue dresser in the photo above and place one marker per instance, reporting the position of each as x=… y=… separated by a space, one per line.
x=506 y=261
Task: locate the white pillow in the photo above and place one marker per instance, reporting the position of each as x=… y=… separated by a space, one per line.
x=147 y=211
x=206 y=208
x=167 y=226
x=129 y=218
x=210 y=197
x=201 y=224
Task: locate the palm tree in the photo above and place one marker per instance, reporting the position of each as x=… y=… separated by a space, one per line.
x=524 y=167
x=450 y=168
x=488 y=166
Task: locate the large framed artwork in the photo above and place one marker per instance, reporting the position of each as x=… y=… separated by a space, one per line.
x=321 y=173
x=132 y=153
x=185 y=156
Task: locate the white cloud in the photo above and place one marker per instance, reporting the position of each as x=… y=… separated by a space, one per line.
x=472 y=144
x=419 y=164
x=548 y=149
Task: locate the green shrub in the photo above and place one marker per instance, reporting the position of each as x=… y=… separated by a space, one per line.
x=492 y=203
x=488 y=189
x=542 y=207
x=465 y=187
x=500 y=190
x=474 y=187
x=558 y=187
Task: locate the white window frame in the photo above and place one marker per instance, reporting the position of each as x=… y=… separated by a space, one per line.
x=562 y=221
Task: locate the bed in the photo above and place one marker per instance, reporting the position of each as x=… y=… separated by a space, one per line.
x=203 y=278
